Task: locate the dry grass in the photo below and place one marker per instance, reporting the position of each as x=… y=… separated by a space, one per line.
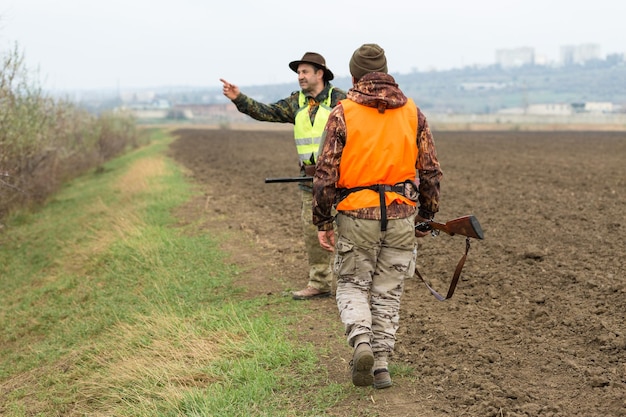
x=137 y=178
x=157 y=351
x=154 y=360
x=121 y=221
x=146 y=363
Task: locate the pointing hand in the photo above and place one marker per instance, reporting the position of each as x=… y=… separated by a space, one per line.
x=229 y=90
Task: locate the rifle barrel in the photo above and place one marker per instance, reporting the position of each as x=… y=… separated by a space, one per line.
x=288 y=179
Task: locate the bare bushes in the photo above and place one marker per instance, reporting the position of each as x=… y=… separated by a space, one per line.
x=44 y=142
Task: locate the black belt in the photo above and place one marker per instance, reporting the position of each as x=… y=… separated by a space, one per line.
x=381 y=189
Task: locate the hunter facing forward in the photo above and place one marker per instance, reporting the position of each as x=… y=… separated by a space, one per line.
x=308 y=111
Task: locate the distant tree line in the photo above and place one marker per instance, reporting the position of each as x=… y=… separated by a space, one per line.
x=516 y=87
x=444 y=92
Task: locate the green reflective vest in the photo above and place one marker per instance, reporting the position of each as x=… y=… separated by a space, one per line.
x=309 y=135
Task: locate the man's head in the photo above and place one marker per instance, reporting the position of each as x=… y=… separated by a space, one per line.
x=367 y=58
x=312 y=72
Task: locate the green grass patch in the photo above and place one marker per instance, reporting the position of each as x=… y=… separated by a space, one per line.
x=109 y=308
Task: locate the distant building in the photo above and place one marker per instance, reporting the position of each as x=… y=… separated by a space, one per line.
x=161 y=104
x=137 y=96
x=616 y=58
x=552 y=109
x=226 y=112
x=511 y=58
x=482 y=86
x=541 y=59
x=594 y=107
x=562 y=109
x=579 y=54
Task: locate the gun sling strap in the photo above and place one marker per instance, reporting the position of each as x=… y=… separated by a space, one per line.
x=455 y=277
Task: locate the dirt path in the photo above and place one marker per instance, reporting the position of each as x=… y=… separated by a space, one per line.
x=537 y=324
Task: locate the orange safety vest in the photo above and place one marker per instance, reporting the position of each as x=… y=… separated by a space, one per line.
x=381 y=149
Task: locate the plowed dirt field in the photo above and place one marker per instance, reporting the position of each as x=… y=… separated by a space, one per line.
x=537 y=324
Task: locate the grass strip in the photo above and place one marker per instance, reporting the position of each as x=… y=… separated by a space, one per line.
x=109 y=308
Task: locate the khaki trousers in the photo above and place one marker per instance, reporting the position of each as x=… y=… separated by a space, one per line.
x=320 y=273
x=371 y=267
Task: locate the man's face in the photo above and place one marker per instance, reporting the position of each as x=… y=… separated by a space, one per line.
x=311 y=79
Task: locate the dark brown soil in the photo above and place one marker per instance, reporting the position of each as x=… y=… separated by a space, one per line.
x=537 y=324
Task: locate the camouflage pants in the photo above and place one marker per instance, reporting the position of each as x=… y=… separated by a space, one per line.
x=320 y=273
x=371 y=267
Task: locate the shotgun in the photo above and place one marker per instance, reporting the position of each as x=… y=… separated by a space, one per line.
x=465 y=226
x=288 y=179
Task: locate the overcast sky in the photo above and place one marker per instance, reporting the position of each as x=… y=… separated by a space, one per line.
x=126 y=44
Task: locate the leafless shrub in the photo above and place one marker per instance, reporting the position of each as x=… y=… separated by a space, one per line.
x=44 y=142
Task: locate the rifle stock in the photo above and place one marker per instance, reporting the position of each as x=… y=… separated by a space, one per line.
x=288 y=179
x=465 y=226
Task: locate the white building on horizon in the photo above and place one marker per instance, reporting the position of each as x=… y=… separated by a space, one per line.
x=517 y=57
x=579 y=54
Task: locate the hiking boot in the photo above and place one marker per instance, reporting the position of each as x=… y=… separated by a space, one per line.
x=382 y=379
x=309 y=293
x=362 y=362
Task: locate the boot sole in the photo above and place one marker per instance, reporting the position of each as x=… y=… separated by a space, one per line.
x=309 y=297
x=362 y=371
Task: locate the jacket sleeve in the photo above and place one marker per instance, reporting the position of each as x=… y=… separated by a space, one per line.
x=327 y=169
x=282 y=111
x=428 y=170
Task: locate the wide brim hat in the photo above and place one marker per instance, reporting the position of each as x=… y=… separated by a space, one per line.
x=315 y=59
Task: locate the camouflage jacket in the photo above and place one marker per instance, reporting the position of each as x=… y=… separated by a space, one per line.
x=284 y=111
x=373 y=90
